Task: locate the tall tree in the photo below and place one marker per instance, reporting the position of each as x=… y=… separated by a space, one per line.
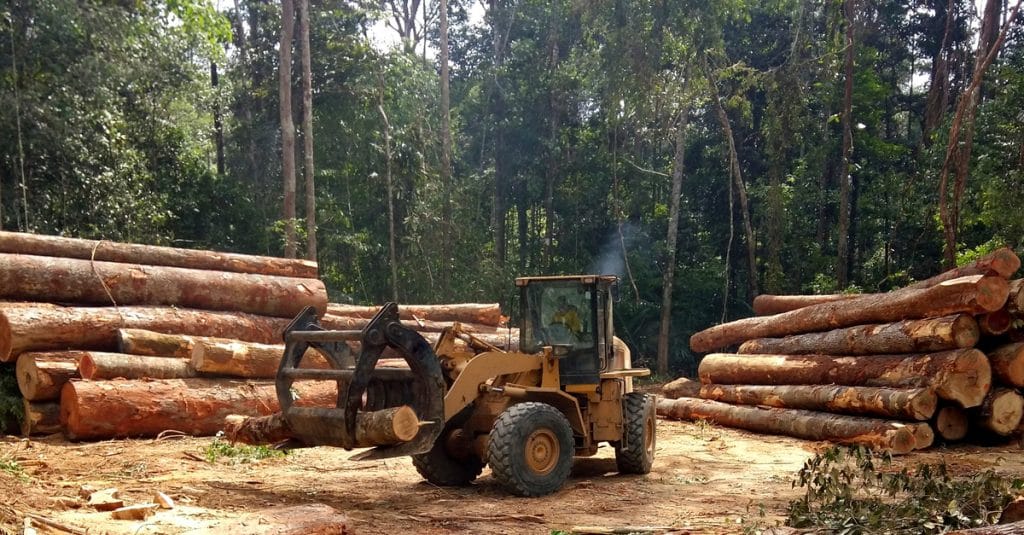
x=668 y=277
x=446 y=154
x=307 y=130
x=845 y=180
x=287 y=125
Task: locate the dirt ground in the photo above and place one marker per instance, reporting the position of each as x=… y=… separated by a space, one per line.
x=706 y=479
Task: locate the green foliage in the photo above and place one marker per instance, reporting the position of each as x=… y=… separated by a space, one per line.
x=11 y=467
x=238 y=454
x=12 y=410
x=854 y=491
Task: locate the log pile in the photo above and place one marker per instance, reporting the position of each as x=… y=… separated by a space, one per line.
x=111 y=340
x=941 y=359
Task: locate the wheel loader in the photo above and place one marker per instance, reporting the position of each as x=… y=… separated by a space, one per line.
x=526 y=413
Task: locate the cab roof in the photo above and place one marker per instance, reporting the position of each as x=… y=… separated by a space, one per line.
x=582 y=279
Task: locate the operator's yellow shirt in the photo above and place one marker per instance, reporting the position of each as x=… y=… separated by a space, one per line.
x=569 y=318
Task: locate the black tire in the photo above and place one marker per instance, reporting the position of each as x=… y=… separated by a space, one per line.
x=634 y=454
x=440 y=467
x=531 y=449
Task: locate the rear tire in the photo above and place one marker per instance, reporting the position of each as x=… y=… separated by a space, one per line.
x=531 y=449
x=440 y=467
x=634 y=454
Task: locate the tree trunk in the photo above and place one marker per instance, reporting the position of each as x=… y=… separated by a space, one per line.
x=683 y=387
x=1008 y=364
x=385 y=427
x=446 y=153
x=41 y=375
x=45 y=327
x=668 y=276
x=766 y=305
x=899 y=404
x=40 y=418
x=81 y=281
x=482 y=313
x=307 y=131
x=995 y=323
x=246 y=359
x=963 y=375
x=1001 y=411
x=845 y=181
x=909 y=336
x=808 y=425
x=152 y=255
x=114 y=409
x=389 y=189
x=287 y=125
x=218 y=124
x=951 y=423
x=95 y=365
x=975 y=294
x=154 y=344
x=1002 y=262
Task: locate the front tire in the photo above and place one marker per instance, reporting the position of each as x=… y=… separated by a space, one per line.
x=634 y=454
x=531 y=449
x=440 y=467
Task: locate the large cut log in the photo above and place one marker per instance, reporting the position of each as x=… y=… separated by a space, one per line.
x=808 y=425
x=1015 y=303
x=246 y=359
x=900 y=404
x=908 y=336
x=1008 y=364
x=348 y=323
x=962 y=375
x=43 y=327
x=385 y=427
x=924 y=435
x=42 y=375
x=1001 y=411
x=154 y=344
x=951 y=423
x=975 y=295
x=131 y=253
x=41 y=418
x=136 y=408
x=995 y=323
x=96 y=365
x=1001 y=262
x=68 y=280
x=682 y=387
x=767 y=304
x=480 y=313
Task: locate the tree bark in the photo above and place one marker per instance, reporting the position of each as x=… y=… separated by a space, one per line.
x=152 y=255
x=808 y=425
x=482 y=313
x=1008 y=364
x=287 y=125
x=909 y=336
x=246 y=359
x=307 y=131
x=42 y=418
x=48 y=327
x=683 y=387
x=393 y=425
x=446 y=153
x=389 y=191
x=845 y=180
x=766 y=304
x=1001 y=411
x=951 y=423
x=899 y=404
x=1002 y=262
x=963 y=375
x=154 y=344
x=81 y=281
x=95 y=365
x=974 y=294
x=42 y=375
x=668 y=277
x=114 y=409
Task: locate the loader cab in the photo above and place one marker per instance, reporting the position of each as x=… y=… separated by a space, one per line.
x=572 y=315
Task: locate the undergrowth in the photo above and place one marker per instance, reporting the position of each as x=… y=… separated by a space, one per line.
x=12 y=410
x=239 y=454
x=851 y=491
x=10 y=466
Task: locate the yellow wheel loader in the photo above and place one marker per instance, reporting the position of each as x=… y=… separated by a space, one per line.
x=525 y=413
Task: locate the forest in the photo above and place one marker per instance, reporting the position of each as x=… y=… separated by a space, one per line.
x=704 y=152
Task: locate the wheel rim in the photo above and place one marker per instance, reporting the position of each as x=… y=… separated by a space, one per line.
x=649 y=436
x=542 y=451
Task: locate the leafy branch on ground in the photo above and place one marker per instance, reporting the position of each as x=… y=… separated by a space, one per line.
x=240 y=453
x=10 y=466
x=854 y=491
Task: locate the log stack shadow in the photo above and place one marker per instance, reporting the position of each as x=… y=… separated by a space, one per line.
x=939 y=360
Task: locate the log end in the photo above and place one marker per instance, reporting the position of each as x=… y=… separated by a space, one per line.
x=992 y=293
x=70 y=419
x=1008 y=364
x=924 y=404
x=951 y=423
x=682 y=387
x=924 y=436
x=28 y=377
x=87 y=367
x=1003 y=412
x=405 y=423
x=5 y=338
x=1005 y=262
x=966 y=332
x=970 y=381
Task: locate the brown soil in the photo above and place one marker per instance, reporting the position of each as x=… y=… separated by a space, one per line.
x=705 y=480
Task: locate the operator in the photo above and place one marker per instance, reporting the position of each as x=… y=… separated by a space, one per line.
x=566 y=315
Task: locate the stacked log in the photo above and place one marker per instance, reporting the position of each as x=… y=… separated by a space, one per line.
x=937 y=355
